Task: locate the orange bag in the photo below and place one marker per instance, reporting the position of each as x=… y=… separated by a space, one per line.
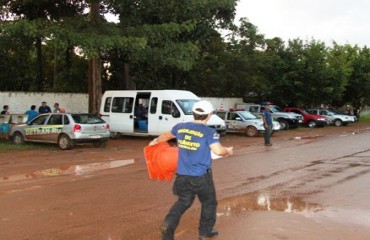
x=161 y=161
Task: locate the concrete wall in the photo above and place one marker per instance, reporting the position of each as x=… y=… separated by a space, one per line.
x=19 y=102
x=226 y=103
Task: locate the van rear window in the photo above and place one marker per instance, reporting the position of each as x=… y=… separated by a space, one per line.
x=107 y=104
x=122 y=104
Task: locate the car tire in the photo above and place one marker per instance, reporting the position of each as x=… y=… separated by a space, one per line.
x=100 y=144
x=251 y=131
x=18 y=138
x=312 y=124
x=65 y=142
x=283 y=124
x=338 y=122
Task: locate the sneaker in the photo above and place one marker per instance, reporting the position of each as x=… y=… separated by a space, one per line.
x=213 y=233
x=268 y=144
x=167 y=233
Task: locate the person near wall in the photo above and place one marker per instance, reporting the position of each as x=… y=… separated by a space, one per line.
x=44 y=108
x=194 y=175
x=5 y=109
x=267 y=123
x=32 y=113
x=56 y=108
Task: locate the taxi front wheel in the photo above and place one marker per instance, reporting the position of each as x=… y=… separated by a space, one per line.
x=18 y=138
x=65 y=142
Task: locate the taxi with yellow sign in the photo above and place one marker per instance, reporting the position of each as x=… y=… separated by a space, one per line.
x=64 y=129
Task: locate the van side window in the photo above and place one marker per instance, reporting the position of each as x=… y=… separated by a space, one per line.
x=153 y=105
x=122 y=104
x=108 y=100
x=168 y=107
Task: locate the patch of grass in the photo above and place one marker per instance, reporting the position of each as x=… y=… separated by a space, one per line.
x=365 y=118
x=7 y=145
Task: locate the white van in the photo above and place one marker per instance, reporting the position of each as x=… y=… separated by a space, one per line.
x=150 y=112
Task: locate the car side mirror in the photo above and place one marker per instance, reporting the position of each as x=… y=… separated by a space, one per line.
x=176 y=114
x=238 y=119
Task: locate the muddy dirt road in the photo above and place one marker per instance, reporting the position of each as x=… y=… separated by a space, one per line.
x=311 y=184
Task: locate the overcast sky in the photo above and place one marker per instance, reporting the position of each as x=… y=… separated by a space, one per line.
x=344 y=21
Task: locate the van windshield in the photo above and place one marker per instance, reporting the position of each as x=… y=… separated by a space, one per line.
x=186 y=105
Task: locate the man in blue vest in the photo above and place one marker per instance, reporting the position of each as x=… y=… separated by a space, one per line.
x=194 y=175
x=267 y=122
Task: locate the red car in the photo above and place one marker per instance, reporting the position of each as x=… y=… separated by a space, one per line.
x=310 y=120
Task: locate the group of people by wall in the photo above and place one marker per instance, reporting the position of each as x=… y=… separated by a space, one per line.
x=32 y=113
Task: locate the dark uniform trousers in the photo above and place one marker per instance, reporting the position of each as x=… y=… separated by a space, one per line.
x=186 y=188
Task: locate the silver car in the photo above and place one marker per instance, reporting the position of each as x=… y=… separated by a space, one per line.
x=334 y=118
x=244 y=121
x=65 y=129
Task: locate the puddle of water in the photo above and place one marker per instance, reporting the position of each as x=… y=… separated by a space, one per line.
x=69 y=170
x=81 y=169
x=265 y=202
x=353 y=216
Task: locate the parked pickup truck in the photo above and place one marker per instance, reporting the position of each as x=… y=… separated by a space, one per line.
x=244 y=122
x=334 y=118
x=286 y=119
x=310 y=120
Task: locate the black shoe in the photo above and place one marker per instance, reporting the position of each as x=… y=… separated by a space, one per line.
x=213 y=233
x=167 y=232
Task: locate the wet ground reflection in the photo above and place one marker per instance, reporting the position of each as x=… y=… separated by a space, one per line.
x=68 y=170
x=265 y=202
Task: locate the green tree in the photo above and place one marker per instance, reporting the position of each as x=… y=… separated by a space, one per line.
x=176 y=33
x=358 y=88
x=31 y=18
x=340 y=66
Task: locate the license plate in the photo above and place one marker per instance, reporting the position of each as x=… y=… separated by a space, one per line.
x=95 y=136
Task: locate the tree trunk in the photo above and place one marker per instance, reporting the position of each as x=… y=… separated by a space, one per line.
x=94 y=74
x=40 y=76
x=95 y=85
x=68 y=62
x=128 y=84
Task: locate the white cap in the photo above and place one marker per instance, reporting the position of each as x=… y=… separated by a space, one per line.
x=202 y=107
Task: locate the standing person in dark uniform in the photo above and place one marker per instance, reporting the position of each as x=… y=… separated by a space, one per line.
x=194 y=176
x=44 y=108
x=267 y=122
